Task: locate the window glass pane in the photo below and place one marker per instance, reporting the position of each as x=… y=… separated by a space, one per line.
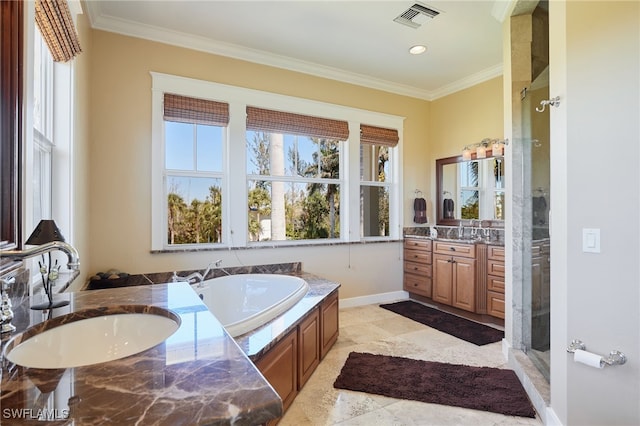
x=281 y=211
x=499 y=205
x=209 y=148
x=470 y=205
x=374 y=163
x=469 y=174
x=374 y=211
x=179 y=146
x=194 y=210
x=498 y=173
x=277 y=154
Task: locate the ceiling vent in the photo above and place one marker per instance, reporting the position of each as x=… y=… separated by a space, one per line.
x=416 y=15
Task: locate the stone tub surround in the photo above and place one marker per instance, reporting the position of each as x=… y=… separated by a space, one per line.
x=197 y=376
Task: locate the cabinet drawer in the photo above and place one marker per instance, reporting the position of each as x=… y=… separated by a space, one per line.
x=417 y=284
x=418 y=256
x=495 y=304
x=417 y=244
x=495 y=284
x=418 y=269
x=457 y=249
x=495 y=253
x=495 y=267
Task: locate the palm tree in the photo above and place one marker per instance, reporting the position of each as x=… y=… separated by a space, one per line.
x=326 y=165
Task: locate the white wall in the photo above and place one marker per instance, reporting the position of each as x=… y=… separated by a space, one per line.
x=595 y=151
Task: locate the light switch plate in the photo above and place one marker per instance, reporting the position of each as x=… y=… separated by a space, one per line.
x=591 y=240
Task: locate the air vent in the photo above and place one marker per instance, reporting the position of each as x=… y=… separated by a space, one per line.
x=416 y=15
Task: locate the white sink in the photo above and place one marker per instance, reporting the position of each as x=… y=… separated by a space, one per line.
x=93 y=340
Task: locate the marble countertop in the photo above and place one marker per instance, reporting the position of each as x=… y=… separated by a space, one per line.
x=457 y=240
x=197 y=376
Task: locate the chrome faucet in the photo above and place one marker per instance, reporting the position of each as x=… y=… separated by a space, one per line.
x=72 y=254
x=197 y=275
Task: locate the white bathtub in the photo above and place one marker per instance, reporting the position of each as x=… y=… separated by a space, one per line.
x=244 y=302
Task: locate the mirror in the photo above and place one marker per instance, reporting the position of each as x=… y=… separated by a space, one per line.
x=470 y=189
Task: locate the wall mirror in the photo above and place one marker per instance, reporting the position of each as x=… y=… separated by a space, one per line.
x=470 y=189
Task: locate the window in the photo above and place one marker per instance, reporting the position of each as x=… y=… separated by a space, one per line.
x=194 y=136
x=263 y=174
x=43 y=142
x=293 y=176
x=376 y=149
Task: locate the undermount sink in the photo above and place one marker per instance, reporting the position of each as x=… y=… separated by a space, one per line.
x=92 y=336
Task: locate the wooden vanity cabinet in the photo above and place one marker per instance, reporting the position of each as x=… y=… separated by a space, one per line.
x=495 y=281
x=280 y=367
x=417 y=266
x=329 y=323
x=454 y=275
x=309 y=346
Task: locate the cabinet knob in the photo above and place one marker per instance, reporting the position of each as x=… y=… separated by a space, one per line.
x=452 y=248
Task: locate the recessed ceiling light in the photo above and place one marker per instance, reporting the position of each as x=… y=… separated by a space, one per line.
x=417 y=49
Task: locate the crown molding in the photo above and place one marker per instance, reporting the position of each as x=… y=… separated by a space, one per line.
x=179 y=39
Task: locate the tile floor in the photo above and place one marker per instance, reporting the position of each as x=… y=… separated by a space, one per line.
x=376 y=330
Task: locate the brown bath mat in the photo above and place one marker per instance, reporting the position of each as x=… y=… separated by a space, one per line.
x=461 y=328
x=479 y=388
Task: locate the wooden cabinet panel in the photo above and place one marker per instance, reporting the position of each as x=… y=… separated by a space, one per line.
x=329 y=325
x=417 y=256
x=418 y=269
x=464 y=284
x=418 y=284
x=443 y=279
x=495 y=304
x=495 y=267
x=495 y=252
x=417 y=244
x=454 y=281
x=308 y=347
x=279 y=367
x=495 y=284
x=454 y=249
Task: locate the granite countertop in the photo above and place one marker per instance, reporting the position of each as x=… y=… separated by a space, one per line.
x=457 y=240
x=197 y=376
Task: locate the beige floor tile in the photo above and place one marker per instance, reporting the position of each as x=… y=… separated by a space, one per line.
x=376 y=330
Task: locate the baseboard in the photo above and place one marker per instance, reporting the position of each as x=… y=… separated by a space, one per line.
x=552 y=419
x=371 y=299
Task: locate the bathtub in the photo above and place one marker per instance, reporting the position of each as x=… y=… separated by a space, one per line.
x=244 y=302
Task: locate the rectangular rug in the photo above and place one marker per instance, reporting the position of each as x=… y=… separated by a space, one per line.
x=461 y=328
x=480 y=388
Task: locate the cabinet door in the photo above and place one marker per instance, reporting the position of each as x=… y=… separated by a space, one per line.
x=329 y=326
x=442 y=279
x=279 y=367
x=464 y=284
x=308 y=347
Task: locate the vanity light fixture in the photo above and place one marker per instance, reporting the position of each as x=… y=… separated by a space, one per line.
x=417 y=49
x=480 y=148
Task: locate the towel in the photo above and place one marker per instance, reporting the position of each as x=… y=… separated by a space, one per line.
x=448 y=208
x=420 y=209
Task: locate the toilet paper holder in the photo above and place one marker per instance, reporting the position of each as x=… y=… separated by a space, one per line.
x=614 y=358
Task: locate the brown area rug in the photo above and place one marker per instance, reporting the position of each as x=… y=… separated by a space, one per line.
x=461 y=328
x=480 y=388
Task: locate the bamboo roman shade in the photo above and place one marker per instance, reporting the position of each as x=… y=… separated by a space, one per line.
x=184 y=109
x=266 y=120
x=56 y=26
x=378 y=136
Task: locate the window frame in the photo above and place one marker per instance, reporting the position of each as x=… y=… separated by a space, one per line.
x=235 y=232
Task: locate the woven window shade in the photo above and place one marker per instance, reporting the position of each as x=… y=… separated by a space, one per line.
x=184 y=109
x=378 y=136
x=266 y=120
x=56 y=26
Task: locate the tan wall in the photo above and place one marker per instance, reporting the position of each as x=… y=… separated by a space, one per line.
x=120 y=167
x=462 y=118
x=81 y=221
